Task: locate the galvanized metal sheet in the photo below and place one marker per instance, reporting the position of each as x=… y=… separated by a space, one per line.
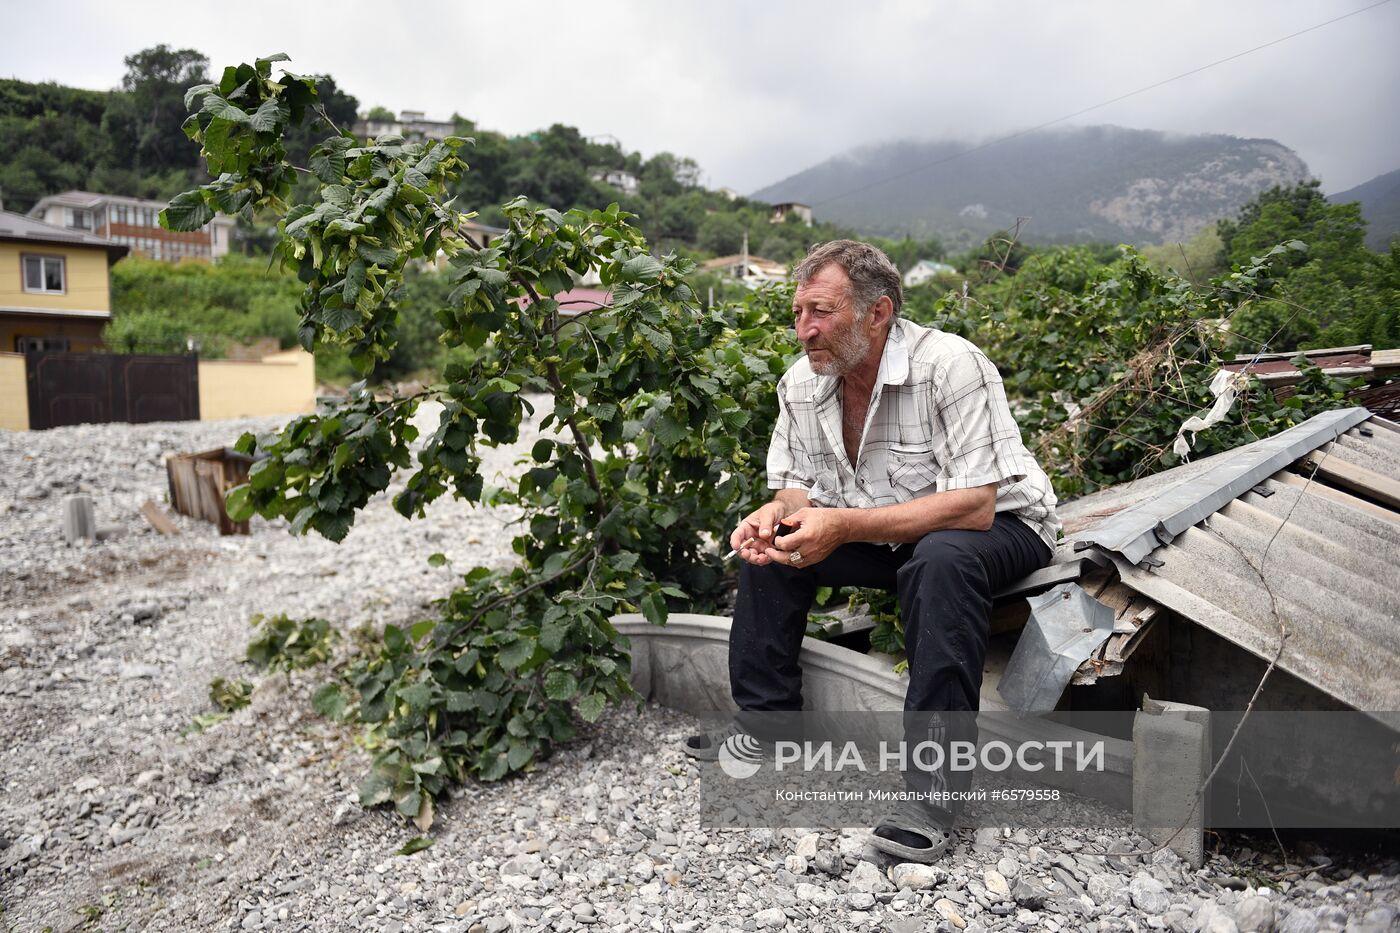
x=1065 y=626
x=1137 y=530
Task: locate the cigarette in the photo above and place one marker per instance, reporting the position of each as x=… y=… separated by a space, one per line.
x=732 y=554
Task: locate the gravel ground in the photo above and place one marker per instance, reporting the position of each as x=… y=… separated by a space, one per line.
x=111 y=820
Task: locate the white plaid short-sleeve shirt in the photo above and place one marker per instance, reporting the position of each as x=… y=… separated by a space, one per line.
x=938 y=420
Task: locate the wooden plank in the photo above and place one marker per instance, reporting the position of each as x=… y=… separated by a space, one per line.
x=1053 y=575
x=158 y=519
x=1290 y=354
x=1358 y=478
x=1335 y=495
x=1385 y=361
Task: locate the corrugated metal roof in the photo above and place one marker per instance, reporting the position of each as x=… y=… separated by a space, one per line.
x=1333 y=564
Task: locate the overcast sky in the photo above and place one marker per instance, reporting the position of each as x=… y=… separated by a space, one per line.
x=757 y=91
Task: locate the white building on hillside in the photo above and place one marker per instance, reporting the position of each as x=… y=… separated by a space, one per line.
x=925 y=269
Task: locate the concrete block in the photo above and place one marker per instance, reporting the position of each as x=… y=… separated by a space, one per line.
x=79 y=522
x=1171 y=758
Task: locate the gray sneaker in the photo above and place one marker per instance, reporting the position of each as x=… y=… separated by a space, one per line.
x=741 y=745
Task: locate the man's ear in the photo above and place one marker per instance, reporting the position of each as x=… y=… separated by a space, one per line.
x=881 y=312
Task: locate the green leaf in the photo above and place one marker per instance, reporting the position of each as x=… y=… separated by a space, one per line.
x=354 y=281
x=669 y=431
x=494 y=769
x=219 y=107
x=560 y=685
x=418 y=696
x=376 y=789
x=516 y=653
x=269 y=115
x=591 y=706
x=196 y=91
x=329 y=701
x=654 y=609
x=437 y=560
x=341 y=319
x=640 y=267
x=416 y=844
x=519 y=754
x=237 y=505
x=378 y=255
x=187 y=212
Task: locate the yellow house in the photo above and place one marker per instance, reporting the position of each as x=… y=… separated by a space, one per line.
x=55 y=289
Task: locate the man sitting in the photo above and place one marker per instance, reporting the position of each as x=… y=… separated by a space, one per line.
x=896 y=465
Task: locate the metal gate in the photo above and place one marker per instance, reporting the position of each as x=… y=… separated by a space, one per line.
x=89 y=388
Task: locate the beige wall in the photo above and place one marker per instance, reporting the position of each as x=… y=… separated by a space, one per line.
x=282 y=384
x=85 y=277
x=14 y=393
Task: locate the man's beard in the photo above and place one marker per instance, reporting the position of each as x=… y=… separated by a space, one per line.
x=846 y=350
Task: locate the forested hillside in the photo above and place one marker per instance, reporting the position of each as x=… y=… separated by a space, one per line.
x=1103 y=183
x=1380 y=205
x=129 y=141
x=123 y=141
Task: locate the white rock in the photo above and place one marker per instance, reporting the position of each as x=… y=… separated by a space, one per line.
x=912 y=876
x=949 y=911
x=1212 y=918
x=771 y=917
x=860 y=900
x=866 y=877
x=996 y=882
x=1254 y=915
x=796 y=864
x=807 y=845
x=1148 y=894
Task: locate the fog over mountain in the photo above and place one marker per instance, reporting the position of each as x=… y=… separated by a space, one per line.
x=1092 y=183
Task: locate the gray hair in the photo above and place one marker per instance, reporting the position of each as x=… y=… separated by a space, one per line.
x=870 y=271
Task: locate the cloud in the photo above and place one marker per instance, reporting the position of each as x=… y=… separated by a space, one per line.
x=756 y=92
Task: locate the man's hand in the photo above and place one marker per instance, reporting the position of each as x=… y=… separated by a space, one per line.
x=819 y=532
x=756 y=533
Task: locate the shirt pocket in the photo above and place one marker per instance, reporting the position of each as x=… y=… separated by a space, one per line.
x=826 y=480
x=913 y=468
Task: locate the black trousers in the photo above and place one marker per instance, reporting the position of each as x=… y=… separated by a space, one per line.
x=944 y=583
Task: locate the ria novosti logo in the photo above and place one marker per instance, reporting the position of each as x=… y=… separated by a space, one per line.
x=742 y=756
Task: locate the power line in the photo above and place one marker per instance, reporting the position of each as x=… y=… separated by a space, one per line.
x=1077 y=113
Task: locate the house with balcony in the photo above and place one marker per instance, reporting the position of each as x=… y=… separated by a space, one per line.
x=133 y=223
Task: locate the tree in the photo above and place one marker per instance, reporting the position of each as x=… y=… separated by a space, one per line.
x=1328 y=290
x=157 y=79
x=381 y=115
x=721 y=234
x=658 y=403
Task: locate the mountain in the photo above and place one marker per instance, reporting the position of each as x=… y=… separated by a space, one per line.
x=1380 y=205
x=1091 y=183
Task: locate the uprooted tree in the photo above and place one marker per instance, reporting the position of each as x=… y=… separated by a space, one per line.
x=657 y=407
